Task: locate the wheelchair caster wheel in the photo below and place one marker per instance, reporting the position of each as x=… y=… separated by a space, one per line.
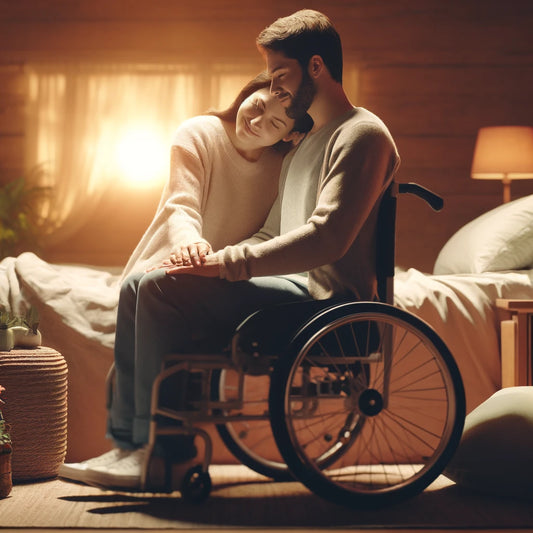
x=196 y=485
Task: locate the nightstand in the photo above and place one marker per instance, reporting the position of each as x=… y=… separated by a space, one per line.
x=516 y=342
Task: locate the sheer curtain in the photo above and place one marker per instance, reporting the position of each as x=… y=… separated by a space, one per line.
x=90 y=126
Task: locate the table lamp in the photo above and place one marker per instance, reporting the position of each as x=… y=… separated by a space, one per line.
x=504 y=153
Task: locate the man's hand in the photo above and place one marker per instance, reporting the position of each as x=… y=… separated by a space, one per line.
x=209 y=268
x=192 y=254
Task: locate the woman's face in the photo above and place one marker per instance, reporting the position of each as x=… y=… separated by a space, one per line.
x=262 y=120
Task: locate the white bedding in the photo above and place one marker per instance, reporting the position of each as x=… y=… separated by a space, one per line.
x=83 y=299
x=77 y=306
x=462 y=310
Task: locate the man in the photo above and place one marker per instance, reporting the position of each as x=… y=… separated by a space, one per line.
x=324 y=222
x=318 y=241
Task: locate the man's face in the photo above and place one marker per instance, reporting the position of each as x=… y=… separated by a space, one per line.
x=293 y=86
x=303 y=98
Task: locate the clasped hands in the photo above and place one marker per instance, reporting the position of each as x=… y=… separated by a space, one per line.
x=196 y=258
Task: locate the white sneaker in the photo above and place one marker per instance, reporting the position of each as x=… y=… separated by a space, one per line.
x=78 y=471
x=123 y=474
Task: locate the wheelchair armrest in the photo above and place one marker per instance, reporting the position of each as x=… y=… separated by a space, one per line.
x=434 y=200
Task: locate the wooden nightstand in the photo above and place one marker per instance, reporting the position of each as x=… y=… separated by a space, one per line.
x=516 y=342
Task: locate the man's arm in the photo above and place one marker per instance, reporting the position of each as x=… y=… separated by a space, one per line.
x=358 y=169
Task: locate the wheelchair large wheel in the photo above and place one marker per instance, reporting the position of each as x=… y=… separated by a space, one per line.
x=250 y=441
x=381 y=364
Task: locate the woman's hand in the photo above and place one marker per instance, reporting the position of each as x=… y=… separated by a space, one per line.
x=209 y=268
x=193 y=254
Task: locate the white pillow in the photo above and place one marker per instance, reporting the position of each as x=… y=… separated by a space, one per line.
x=501 y=239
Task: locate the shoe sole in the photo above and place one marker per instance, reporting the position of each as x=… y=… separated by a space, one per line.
x=72 y=474
x=106 y=480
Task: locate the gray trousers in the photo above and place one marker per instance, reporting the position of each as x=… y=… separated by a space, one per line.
x=160 y=315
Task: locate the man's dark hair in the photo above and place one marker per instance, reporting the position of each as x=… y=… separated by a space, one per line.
x=302 y=35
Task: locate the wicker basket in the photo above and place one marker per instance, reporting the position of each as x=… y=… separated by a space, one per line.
x=36 y=410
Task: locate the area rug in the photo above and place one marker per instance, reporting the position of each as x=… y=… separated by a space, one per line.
x=244 y=499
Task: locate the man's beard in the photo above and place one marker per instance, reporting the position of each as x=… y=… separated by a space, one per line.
x=303 y=98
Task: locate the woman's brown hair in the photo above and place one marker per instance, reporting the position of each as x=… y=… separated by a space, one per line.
x=302 y=124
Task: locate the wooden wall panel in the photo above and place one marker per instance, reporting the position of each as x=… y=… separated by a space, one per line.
x=11 y=157
x=122 y=41
x=13 y=94
x=12 y=119
x=452 y=100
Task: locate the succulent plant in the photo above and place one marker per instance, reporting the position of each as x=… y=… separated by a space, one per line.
x=7 y=319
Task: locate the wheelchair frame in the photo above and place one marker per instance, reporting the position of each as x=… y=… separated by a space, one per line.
x=343 y=381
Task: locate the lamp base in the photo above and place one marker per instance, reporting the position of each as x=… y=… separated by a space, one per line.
x=506 y=190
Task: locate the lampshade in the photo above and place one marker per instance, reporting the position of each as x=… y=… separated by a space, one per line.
x=504 y=153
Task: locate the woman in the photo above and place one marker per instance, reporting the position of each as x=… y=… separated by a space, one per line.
x=223 y=181
x=224 y=170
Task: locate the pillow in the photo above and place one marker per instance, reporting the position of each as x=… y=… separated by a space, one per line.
x=495 y=453
x=501 y=239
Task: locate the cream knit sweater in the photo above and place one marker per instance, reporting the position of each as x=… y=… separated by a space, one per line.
x=212 y=194
x=323 y=223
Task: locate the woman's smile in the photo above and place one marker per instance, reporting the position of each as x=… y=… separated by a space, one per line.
x=249 y=129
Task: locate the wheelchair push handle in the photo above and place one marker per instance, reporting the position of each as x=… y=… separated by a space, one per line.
x=434 y=200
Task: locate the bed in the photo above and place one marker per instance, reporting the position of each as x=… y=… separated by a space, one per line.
x=489 y=258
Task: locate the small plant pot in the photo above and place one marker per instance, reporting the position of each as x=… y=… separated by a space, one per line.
x=25 y=338
x=6 y=482
x=6 y=340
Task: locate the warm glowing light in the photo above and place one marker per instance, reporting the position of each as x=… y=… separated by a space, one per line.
x=142 y=156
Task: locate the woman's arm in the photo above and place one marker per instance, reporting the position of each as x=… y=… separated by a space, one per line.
x=178 y=219
x=181 y=204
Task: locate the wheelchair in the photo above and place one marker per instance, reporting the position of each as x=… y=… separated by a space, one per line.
x=362 y=402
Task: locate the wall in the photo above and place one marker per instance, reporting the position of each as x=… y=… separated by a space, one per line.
x=434 y=70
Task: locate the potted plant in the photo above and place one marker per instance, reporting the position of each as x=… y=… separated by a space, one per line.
x=7 y=321
x=20 y=222
x=6 y=449
x=20 y=331
x=25 y=330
